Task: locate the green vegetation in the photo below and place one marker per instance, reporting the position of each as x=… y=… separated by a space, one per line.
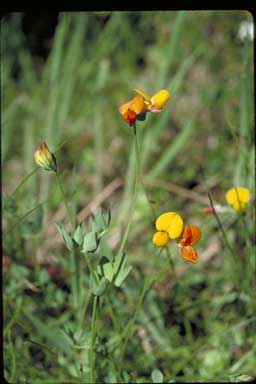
x=95 y=300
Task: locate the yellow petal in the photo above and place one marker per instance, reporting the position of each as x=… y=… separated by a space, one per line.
x=171 y=223
x=159 y=100
x=238 y=197
x=160 y=239
x=143 y=94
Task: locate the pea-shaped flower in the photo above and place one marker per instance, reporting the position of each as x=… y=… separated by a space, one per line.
x=137 y=108
x=190 y=236
x=169 y=226
x=238 y=198
x=133 y=110
x=45 y=159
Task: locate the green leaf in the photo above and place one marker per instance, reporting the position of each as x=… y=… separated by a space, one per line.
x=98 y=288
x=115 y=269
x=101 y=221
x=79 y=234
x=106 y=269
x=123 y=273
x=157 y=376
x=90 y=242
x=120 y=269
x=65 y=236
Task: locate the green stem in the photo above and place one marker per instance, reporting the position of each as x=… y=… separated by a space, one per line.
x=89 y=264
x=21 y=218
x=23 y=181
x=147 y=283
x=139 y=176
x=171 y=263
x=76 y=291
x=124 y=239
x=93 y=333
x=221 y=226
x=76 y=281
x=65 y=201
x=109 y=307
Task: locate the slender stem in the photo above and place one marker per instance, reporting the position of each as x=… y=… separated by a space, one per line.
x=59 y=146
x=76 y=291
x=171 y=263
x=89 y=264
x=65 y=201
x=220 y=226
x=24 y=180
x=93 y=333
x=139 y=175
x=111 y=312
x=76 y=281
x=147 y=283
x=109 y=307
x=134 y=194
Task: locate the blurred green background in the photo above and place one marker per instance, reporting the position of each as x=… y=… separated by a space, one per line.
x=63 y=77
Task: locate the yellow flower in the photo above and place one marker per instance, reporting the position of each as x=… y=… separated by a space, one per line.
x=169 y=226
x=171 y=223
x=45 y=159
x=155 y=103
x=238 y=198
x=160 y=239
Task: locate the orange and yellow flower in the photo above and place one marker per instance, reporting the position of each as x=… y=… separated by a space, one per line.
x=45 y=159
x=137 y=108
x=238 y=198
x=169 y=226
x=191 y=235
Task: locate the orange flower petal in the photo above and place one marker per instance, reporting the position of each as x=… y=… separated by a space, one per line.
x=138 y=105
x=130 y=116
x=188 y=253
x=207 y=211
x=124 y=107
x=191 y=235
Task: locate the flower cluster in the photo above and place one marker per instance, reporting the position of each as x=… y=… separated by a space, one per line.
x=137 y=108
x=170 y=226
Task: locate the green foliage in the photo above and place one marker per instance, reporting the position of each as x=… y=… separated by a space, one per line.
x=71 y=299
